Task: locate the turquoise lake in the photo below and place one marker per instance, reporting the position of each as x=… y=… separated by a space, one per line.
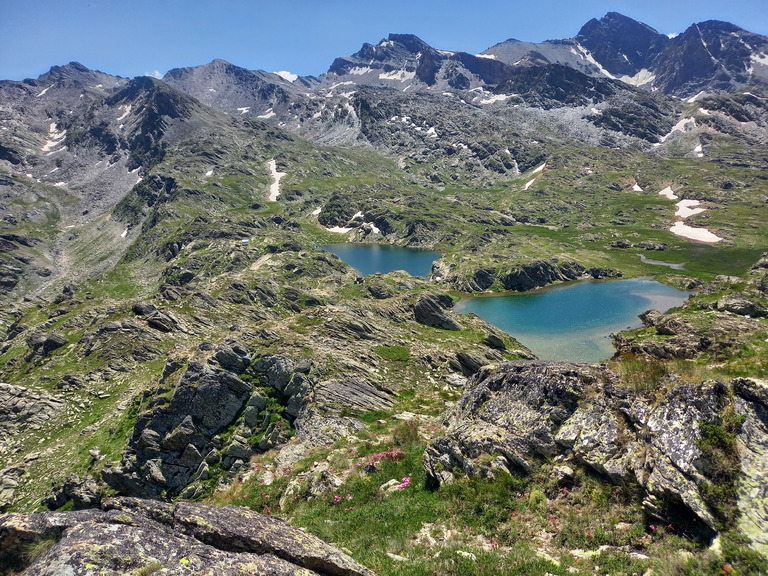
x=372 y=258
x=572 y=322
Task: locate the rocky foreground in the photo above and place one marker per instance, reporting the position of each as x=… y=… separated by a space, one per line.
x=129 y=535
x=513 y=416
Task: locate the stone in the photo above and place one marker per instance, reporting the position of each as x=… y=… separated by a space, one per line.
x=741 y=305
x=234 y=361
x=752 y=444
x=564 y=475
x=430 y=310
x=144 y=308
x=162 y=322
x=129 y=535
x=351 y=393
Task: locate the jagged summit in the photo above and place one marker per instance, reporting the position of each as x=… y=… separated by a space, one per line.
x=709 y=56
x=622 y=45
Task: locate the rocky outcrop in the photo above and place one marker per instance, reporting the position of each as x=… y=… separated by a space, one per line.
x=25 y=409
x=751 y=402
x=681 y=336
x=739 y=304
x=430 y=310
x=42 y=344
x=541 y=273
x=214 y=420
x=141 y=536
x=527 y=412
x=520 y=277
x=82 y=492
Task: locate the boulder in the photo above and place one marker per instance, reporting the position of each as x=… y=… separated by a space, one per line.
x=43 y=344
x=751 y=403
x=430 y=310
x=741 y=305
x=129 y=535
x=143 y=308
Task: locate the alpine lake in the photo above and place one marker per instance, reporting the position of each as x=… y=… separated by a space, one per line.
x=569 y=322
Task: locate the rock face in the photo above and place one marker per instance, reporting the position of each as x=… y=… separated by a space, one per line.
x=24 y=409
x=741 y=305
x=678 y=337
x=175 y=440
x=130 y=535
x=752 y=403
x=431 y=310
x=530 y=411
x=177 y=443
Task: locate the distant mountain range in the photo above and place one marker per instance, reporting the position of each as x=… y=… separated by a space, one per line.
x=446 y=117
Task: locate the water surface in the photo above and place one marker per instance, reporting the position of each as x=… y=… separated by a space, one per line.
x=372 y=258
x=572 y=322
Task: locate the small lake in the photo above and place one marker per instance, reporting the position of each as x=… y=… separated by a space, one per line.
x=572 y=322
x=372 y=258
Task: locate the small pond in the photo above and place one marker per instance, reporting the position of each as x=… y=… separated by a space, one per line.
x=372 y=258
x=572 y=322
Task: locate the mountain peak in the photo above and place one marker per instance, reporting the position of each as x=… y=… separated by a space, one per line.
x=622 y=45
x=410 y=41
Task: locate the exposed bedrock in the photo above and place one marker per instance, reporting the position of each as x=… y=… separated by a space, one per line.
x=525 y=413
x=129 y=535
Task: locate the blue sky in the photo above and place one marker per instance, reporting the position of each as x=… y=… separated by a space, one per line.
x=136 y=37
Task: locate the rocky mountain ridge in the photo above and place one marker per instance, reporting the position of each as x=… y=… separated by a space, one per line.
x=173 y=328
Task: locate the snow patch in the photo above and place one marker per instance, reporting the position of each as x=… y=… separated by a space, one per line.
x=124 y=234
x=60 y=184
x=209 y=173
x=685 y=125
x=359 y=70
x=55 y=138
x=636 y=188
x=334 y=86
x=687 y=208
x=640 y=79
x=668 y=193
x=339 y=230
x=761 y=59
x=290 y=76
x=44 y=91
x=274 y=188
x=496 y=98
x=244 y=109
x=529 y=184
x=432 y=133
x=699 y=151
x=268 y=114
x=127 y=109
x=539 y=169
x=585 y=54
x=693 y=99
x=691 y=233
x=316 y=211
x=401 y=75
x=489 y=56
